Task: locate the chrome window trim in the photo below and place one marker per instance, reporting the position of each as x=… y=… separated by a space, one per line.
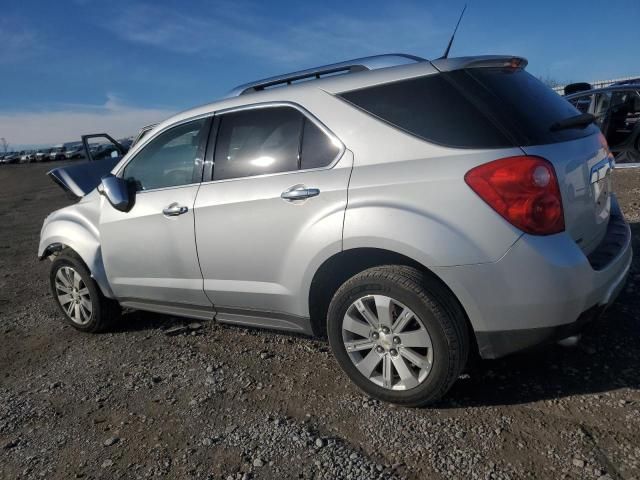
x=274 y=104
x=253 y=106
x=146 y=141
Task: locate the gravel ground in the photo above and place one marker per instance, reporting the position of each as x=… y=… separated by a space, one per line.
x=215 y=401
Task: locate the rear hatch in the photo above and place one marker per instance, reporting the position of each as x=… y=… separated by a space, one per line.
x=532 y=115
x=583 y=171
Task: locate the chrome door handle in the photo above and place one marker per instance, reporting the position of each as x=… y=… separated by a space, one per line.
x=174 y=210
x=300 y=193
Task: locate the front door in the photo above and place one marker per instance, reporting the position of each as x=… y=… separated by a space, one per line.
x=149 y=252
x=274 y=207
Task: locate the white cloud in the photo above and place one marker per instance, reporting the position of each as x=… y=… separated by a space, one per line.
x=68 y=122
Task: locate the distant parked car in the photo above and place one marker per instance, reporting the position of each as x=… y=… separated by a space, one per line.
x=617 y=112
x=42 y=155
x=27 y=156
x=57 y=153
x=74 y=152
x=11 y=157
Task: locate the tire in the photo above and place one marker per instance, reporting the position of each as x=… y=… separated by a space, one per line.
x=78 y=296
x=430 y=362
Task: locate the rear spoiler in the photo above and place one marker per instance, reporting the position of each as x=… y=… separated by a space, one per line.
x=482 y=61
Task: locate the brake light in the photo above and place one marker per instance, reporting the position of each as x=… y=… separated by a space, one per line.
x=524 y=190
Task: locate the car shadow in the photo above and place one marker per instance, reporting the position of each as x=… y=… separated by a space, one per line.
x=606 y=359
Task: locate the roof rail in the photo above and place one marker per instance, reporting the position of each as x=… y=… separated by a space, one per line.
x=350 y=66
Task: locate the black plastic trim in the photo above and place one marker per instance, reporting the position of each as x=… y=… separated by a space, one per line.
x=503 y=342
x=615 y=240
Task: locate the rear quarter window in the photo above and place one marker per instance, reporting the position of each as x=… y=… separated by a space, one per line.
x=472 y=108
x=431 y=108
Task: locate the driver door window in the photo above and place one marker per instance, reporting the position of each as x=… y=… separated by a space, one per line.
x=168 y=160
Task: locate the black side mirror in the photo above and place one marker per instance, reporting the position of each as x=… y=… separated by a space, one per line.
x=118 y=192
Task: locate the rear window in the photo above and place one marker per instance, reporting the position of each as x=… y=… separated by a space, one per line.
x=524 y=103
x=474 y=108
x=431 y=108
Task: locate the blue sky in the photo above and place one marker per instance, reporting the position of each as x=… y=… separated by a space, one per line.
x=70 y=67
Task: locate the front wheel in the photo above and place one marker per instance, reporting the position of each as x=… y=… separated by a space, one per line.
x=398 y=335
x=78 y=296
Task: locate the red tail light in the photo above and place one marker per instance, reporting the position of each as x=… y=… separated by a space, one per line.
x=524 y=190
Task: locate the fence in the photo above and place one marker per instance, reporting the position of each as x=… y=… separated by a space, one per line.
x=598 y=83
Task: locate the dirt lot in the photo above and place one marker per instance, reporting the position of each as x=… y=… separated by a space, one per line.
x=225 y=402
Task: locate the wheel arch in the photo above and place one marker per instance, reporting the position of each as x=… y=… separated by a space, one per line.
x=69 y=233
x=337 y=269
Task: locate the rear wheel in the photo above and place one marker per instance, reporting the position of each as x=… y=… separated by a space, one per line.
x=398 y=335
x=78 y=296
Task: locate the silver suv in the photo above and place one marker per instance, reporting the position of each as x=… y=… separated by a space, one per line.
x=412 y=211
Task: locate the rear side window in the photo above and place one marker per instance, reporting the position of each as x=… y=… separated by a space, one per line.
x=257 y=142
x=474 y=108
x=431 y=108
x=318 y=150
x=266 y=140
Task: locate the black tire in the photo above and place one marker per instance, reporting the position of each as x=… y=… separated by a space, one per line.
x=440 y=314
x=104 y=311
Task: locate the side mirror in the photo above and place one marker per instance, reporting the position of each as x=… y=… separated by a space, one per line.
x=117 y=191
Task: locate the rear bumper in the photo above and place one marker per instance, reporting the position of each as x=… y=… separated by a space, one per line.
x=500 y=343
x=542 y=289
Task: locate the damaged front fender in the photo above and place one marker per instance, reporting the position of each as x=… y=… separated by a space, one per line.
x=75 y=227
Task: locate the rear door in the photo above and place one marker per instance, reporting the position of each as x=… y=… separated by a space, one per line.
x=274 y=205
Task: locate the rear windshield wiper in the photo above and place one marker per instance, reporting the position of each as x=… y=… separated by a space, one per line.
x=579 y=121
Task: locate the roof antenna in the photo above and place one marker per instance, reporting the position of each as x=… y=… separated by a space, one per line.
x=446 y=52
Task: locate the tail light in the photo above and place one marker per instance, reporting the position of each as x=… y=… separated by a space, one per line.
x=524 y=190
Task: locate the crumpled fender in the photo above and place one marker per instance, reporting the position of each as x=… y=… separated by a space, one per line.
x=75 y=227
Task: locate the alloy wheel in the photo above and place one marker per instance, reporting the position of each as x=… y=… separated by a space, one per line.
x=387 y=342
x=73 y=295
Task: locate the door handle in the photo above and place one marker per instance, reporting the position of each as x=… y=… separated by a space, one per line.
x=174 y=210
x=299 y=193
